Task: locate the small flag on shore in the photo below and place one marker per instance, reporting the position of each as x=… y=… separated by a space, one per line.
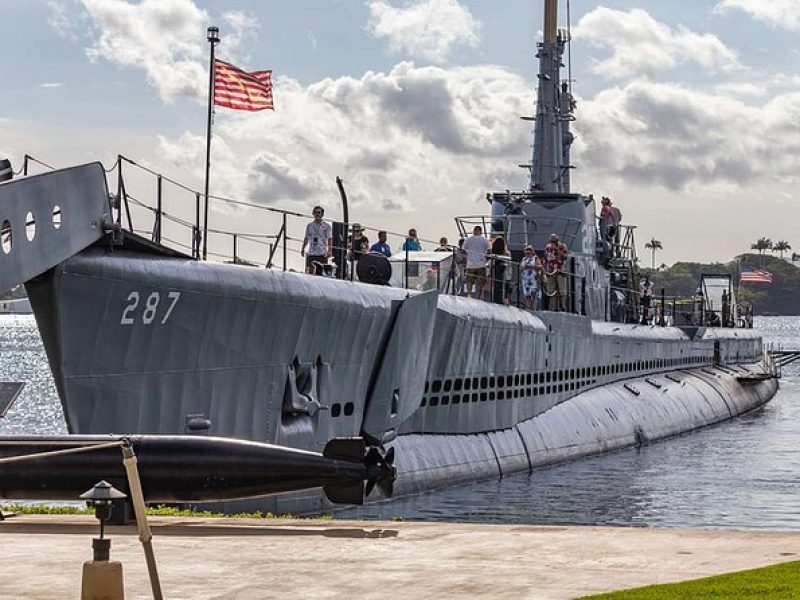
x=240 y=90
x=755 y=276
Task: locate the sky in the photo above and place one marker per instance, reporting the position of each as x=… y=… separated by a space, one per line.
x=687 y=117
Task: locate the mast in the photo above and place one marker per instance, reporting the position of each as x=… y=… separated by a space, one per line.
x=550 y=163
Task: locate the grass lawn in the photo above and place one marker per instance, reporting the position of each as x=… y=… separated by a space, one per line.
x=778 y=582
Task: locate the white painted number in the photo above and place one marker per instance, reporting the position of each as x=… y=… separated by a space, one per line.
x=150 y=308
x=133 y=302
x=150 y=311
x=174 y=296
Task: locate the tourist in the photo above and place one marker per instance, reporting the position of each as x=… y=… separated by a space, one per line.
x=319 y=239
x=412 y=243
x=531 y=269
x=381 y=247
x=646 y=298
x=443 y=246
x=476 y=246
x=359 y=243
x=555 y=283
x=608 y=226
x=500 y=271
x=461 y=265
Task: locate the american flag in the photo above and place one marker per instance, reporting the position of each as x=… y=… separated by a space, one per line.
x=755 y=276
x=240 y=90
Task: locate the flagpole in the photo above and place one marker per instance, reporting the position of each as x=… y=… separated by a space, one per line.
x=213 y=40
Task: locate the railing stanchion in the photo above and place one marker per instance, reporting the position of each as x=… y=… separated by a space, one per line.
x=235 y=257
x=196 y=236
x=583 y=295
x=157 y=225
x=405 y=268
x=285 y=242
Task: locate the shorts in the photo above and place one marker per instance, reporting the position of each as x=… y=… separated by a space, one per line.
x=312 y=259
x=556 y=285
x=475 y=276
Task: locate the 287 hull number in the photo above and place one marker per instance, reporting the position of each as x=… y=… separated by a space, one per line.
x=149 y=312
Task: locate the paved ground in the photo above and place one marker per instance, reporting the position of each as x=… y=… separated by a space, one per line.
x=244 y=559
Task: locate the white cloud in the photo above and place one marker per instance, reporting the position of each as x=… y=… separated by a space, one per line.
x=640 y=45
x=428 y=29
x=409 y=139
x=164 y=38
x=781 y=14
x=741 y=89
x=677 y=138
x=55 y=84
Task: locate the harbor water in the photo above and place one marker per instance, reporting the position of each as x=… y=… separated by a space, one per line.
x=742 y=474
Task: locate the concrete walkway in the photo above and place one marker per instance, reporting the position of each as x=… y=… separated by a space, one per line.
x=252 y=559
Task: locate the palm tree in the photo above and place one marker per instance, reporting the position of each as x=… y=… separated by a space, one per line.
x=654 y=246
x=762 y=245
x=781 y=246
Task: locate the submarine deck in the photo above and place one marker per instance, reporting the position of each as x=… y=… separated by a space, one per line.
x=225 y=558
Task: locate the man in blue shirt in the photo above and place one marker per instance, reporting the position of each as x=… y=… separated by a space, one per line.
x=381 y=247
x=412 y=243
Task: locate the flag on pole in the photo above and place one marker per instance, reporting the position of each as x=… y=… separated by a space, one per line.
x=750 y=275
x=240 y=90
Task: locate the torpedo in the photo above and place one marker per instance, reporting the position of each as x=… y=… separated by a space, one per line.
x=190 y=468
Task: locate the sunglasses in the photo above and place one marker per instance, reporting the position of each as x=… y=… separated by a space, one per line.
x=317 y=212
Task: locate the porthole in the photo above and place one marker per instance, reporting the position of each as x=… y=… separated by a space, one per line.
x=57 y=217
x=437 y=386
x=448 y=385
x=457 y=385
x=475 y=383
x=501 y=381
x=336 y=409
x=456 y=399
x=484 y=383
x=349 y=409
x=529 y=379
x=468 y=383
x=5 y=237
x=30 y=226
x=445 y=401
x=423 y=403
x=427 y=386
x=501 y=395
x=433 y=401
x=492 y=381
x=484 y=397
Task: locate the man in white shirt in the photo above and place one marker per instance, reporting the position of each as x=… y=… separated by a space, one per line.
x=476 y=246
x=319 y=239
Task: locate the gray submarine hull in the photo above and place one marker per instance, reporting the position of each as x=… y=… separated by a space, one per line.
x=462 y=389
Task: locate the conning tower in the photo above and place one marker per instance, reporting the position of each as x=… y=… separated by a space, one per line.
x=549 y=206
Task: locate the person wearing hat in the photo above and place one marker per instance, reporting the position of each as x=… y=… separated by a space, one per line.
x=608 y=225
x=555 y=283
x=359 y=243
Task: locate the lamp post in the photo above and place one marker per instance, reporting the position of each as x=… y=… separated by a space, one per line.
x=102 y=578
